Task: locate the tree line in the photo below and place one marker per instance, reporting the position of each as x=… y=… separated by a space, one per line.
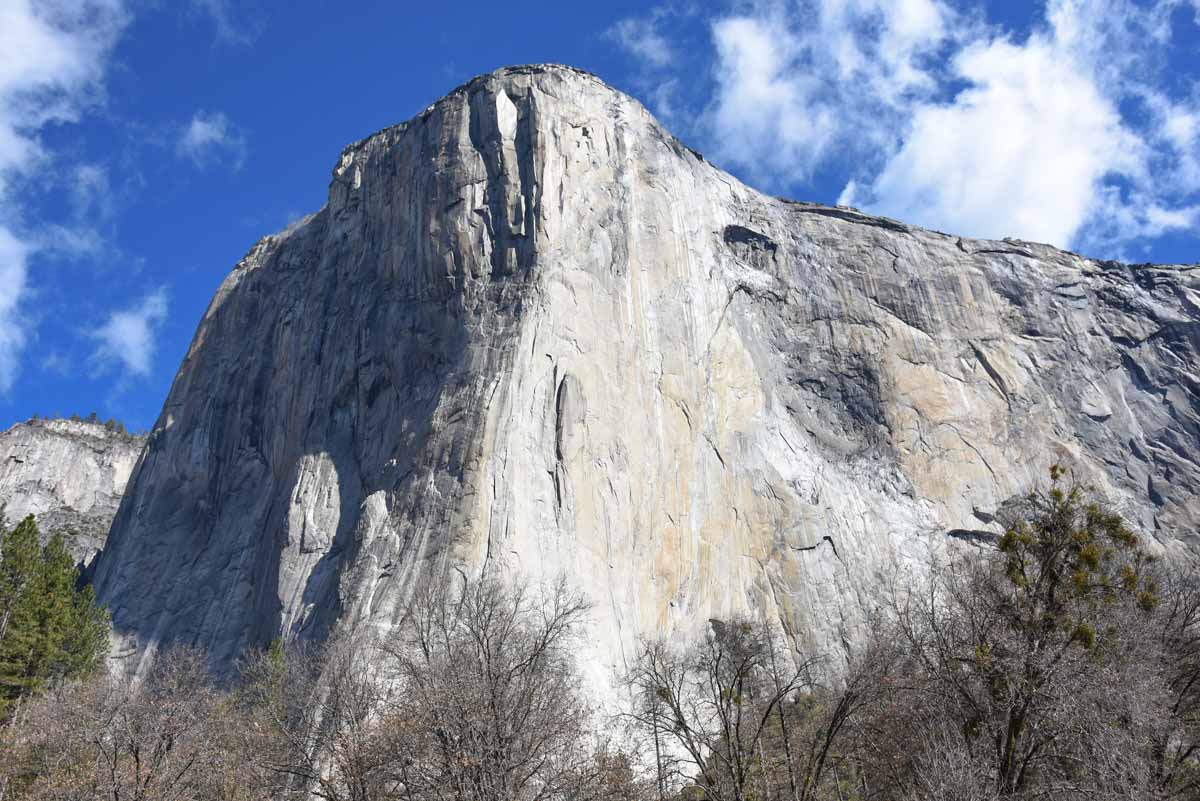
x=111 y=425
x=1062 y=662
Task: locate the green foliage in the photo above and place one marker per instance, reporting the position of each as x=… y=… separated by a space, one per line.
x=1038 y=669
x=49 y=630
x=1070 y=560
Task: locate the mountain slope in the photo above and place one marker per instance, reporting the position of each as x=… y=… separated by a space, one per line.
x=69 y=474
x=532 y=331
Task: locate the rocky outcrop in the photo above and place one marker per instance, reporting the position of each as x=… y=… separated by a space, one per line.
x=532 y=331
x=70 y=475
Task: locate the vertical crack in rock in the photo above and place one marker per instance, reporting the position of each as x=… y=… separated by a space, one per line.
x=993 y=373
x=570 y=412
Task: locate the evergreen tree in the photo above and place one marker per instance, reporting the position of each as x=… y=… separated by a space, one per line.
x=49 y=630
x=18 y=566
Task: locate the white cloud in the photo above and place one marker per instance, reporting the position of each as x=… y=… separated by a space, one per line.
x=766 y=115
x=1022 y=151
x=797 y=83
x=1073 y=132
x=849 y=191
x=127 y=339
x=14 y=255
x=1178 y=128
x=1119 y=220
x=53 y=55
x=1159 y=221
x=1037 y=145
x=209 y=138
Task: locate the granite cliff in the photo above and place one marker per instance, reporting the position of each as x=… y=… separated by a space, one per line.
x=532 y=331
x=69 y=474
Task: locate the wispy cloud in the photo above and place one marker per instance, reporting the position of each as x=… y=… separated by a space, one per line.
x=1023 y=150
x=92 y=208
x=127 y=339
x=57 y=364
x=14 y=255
x=1037 y=145
x=57 y=55
x=1067 y=133
x=642 y=39
x=663 y=45
x=800 y=84
x=210 y=138
x=91 y=193
x=230 y=29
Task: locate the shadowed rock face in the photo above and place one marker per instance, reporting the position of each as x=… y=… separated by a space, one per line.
x=531 y=331
x=69 y=475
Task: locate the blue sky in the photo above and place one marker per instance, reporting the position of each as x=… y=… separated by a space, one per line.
x=145 y=146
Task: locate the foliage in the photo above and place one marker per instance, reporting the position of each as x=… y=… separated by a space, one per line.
x=1039 y=669
x=111 y=425
x=50 y=631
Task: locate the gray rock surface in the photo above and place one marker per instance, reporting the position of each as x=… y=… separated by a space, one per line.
x=69 y=475
x=531 y=331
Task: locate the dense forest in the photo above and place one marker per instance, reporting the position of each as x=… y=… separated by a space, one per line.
x=1061 y=661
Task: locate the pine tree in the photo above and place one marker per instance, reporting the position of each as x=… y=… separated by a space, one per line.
x=18 y=566
x=49 y=630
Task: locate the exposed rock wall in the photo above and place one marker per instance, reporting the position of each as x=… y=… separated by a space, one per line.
x=532 y=331
x=69 y=475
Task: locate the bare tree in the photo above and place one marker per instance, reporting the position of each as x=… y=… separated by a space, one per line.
x=313 y=720
x=158 y=740
x=487 y=704
x=1175 y=746
x=474 y=696
x=719 y=709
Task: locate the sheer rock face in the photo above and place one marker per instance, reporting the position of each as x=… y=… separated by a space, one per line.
x=69 y=475
x=530 y=331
